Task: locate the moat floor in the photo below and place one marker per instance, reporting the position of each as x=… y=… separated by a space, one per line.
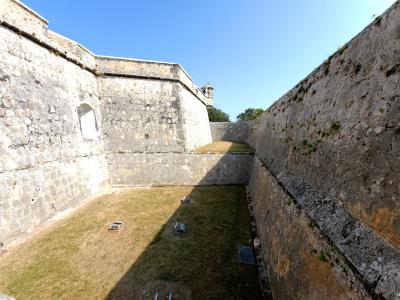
x=223 y=147
x=78 y=258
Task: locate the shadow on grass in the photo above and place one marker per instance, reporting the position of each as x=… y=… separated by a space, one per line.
x=78 y=258
x=202 y=263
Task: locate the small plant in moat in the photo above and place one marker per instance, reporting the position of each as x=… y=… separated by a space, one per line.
x=322 y=256
x=312 y=224
x=289 y=202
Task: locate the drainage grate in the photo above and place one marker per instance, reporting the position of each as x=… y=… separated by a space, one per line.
x=245 y=255
x=180 y=228
x=115 y=226
x=156 y=296
x=187 y=200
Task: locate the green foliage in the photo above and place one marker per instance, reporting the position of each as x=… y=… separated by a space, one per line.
x=250 y=114
x=378 y=21
x=323 y=256
x=357 y=68
x=312 y=224
x=342 y=49
x=326 y=66
x=335 y=126
x=289 y=202
x=217 y=115
x=382 y=110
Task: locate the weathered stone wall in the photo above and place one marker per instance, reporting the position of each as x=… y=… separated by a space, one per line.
x=333 y=142
x=325 y=183
x=150 y=107
x=45 y=164
x=301 y=263
x=338 y=129
x=147 y=115
x=314 y=248
x=17 y=14
x=141 y=115
x=229 y=131
x=178 y=169
x=196 y=126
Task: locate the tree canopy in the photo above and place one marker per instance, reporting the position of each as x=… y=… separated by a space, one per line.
x=250 y=114
x=217 y=115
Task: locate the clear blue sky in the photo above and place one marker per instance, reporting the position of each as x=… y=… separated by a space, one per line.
x=252 y=51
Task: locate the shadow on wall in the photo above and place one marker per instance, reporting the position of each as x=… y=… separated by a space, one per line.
x=202 y=262
x=89 y=262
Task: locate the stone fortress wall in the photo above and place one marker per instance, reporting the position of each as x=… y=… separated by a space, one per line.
x=47 y=165
x=324 y=179
x=231 y=131
x=325 y=183
x=180 y=169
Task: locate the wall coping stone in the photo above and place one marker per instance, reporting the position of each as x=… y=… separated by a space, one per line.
x=81 y=56
x=32 y=12
x=321 y=66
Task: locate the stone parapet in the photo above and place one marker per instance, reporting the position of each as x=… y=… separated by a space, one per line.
x=21 y=19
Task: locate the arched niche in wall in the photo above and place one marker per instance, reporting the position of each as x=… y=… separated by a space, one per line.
x=87 y=122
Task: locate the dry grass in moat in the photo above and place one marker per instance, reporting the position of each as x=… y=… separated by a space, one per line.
x=77 y=258
x=223 y=147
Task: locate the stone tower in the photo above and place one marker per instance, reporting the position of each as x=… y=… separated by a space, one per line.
x=208 y=91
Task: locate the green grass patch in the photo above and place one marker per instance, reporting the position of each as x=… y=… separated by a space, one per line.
x=223 y=147
x=77 y=258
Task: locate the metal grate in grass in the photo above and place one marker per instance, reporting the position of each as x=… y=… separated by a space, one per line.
x=245 y=255
x=179 y=228
x=115 y=226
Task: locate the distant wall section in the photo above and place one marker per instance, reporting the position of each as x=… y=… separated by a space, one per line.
x=196 y=126
x=229 y=131
x=141 y=115
x=130 y=169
